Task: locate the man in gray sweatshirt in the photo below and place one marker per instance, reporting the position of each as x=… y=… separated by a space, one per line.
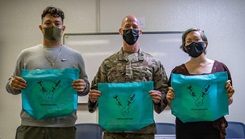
x=51 y=54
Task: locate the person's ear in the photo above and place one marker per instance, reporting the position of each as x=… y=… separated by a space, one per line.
x=140 y=32
x=205 y=43
x=120 y=31
x=41 y=28
x=64 y=27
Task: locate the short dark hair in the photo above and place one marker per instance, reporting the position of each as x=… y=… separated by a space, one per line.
x=204 y=38
x=55 y=12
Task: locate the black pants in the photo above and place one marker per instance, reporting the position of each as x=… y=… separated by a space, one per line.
x=127 y=136
x=196 y=130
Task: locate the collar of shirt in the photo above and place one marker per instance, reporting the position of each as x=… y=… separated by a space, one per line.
x=123 y=56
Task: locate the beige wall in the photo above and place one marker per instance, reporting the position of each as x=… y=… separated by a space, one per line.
x=222 y=20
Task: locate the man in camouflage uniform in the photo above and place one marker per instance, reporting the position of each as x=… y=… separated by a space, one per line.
x=131 y=64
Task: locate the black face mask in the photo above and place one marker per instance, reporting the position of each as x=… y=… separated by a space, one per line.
x=130 y=36
x=195 y=49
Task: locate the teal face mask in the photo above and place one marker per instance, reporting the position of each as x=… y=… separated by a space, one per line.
x=52 y=33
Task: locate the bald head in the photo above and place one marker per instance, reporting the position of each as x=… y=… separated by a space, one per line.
x=130 y=22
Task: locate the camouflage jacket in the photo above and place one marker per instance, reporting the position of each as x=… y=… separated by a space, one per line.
x=133 y=67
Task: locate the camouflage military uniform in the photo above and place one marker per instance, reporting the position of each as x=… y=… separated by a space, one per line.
x=132 y=67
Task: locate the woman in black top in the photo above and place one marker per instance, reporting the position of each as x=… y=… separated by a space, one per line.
x=194 y=42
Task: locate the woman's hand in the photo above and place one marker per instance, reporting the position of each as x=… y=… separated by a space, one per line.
x=230 y=90
x=170 y=95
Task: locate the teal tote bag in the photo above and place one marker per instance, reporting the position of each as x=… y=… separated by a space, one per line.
x=125 y=106
x=199 y=97
x=49 y=92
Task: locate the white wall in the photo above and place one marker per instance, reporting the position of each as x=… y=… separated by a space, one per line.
x=222 y=20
